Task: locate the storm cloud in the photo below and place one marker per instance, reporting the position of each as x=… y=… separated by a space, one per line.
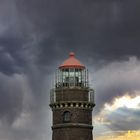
x=37 y=35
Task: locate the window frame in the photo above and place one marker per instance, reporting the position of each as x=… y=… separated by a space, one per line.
x=66 y=116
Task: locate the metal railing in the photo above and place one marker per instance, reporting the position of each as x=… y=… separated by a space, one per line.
x=53 y=96
x=91 y=95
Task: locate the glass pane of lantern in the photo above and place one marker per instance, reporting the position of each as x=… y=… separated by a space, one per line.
x=71 y=72
x=71 y=81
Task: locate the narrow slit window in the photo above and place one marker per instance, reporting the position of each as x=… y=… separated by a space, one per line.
x=67 y=116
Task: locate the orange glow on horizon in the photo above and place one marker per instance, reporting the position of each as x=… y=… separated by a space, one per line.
x=130 y=135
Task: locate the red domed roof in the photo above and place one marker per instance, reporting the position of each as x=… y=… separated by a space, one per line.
x=72 y=62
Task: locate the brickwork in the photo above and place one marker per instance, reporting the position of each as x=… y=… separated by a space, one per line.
x=77 y=116
x=71 y=94
x=72 y=101
x=72 y=134
x=76 y=102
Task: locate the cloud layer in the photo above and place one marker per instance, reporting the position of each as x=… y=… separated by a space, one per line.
x=36 y=36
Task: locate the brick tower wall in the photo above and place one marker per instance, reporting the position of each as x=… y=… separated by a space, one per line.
x=76 y=102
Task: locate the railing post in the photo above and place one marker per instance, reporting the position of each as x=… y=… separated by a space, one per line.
x=91 y=95
x=52 y=96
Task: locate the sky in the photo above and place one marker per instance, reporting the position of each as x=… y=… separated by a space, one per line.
x=36 y=36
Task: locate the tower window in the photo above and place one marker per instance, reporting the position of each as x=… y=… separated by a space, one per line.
x=66 y=116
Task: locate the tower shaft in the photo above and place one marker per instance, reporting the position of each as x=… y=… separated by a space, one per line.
x=72 y=102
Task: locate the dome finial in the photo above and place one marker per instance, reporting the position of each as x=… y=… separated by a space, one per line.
x=71 y=54
x=72 y=62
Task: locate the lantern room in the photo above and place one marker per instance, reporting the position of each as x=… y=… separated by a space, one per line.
x=71 y=74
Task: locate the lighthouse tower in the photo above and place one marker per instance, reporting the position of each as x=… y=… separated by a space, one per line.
x=72 y=102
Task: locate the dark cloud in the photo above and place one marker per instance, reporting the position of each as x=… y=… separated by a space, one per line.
x=36 y=36
x=115 y=80
x=11 y=97
x=130 y=122
x=11 y=58
x=104 y=30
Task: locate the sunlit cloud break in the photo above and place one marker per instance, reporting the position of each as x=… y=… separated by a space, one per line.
x=124 y=101
x=120 y=115
x=129 y=135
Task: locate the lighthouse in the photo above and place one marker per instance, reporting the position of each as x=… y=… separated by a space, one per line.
x=72 y=102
